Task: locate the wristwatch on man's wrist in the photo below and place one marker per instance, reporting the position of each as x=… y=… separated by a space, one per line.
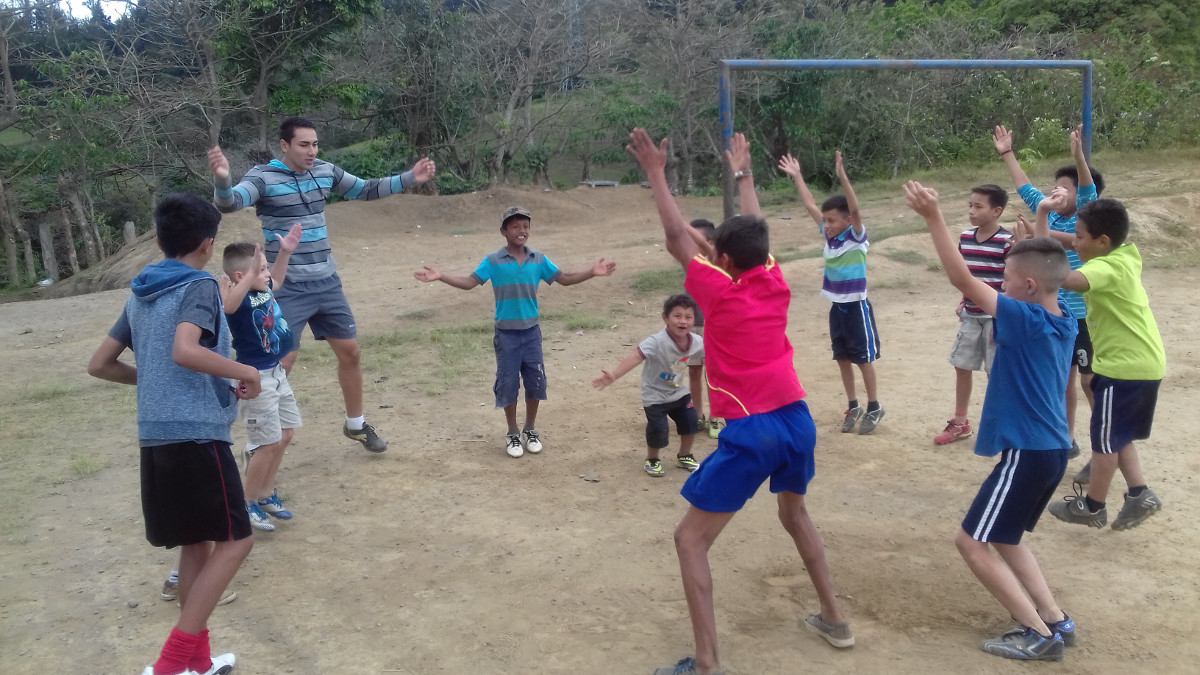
x=742 y=174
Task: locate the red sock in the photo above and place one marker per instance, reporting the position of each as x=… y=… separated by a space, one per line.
x=176 y=653
x=201 y=659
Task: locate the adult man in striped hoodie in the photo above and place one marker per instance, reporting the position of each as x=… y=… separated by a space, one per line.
x=294 y=189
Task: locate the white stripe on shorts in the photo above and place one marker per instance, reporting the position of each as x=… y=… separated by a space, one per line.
x=1105 y=404
x=999 y=493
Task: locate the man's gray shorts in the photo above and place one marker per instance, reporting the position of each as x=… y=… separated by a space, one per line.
x=321 y=304
x=974 y=347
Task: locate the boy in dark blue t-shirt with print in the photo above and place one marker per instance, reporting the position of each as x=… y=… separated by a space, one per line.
x=1024 y=420
x=261 y=337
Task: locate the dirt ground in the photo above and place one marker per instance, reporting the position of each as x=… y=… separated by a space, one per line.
x=443 y=555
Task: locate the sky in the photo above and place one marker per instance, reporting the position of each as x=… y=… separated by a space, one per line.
x=112 y=9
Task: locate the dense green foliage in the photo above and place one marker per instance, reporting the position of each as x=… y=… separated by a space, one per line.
x=115 y=110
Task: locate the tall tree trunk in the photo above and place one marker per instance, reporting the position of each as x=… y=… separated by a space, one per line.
x=72 y=258
x=49 y=259
x=261 y=105
x=70 y=191
x=15 y=223
x=10 y=240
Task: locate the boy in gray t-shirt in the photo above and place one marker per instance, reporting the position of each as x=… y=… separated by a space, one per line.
x=667 y=354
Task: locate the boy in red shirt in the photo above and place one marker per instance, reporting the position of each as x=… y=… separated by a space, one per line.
x=753 y=385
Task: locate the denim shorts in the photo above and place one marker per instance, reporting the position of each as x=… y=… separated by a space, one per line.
x=519 y=357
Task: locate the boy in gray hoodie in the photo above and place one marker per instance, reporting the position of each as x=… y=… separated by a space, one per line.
x=191 y=491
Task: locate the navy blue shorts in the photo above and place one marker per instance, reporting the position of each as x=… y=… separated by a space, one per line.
x=519 y=357
x=320 y=304
x=658 y=432
x=778 y=444
x=1083 y=353
x=852 y=332
x=1013 y=496
x=192 y=493
x=1123 y=412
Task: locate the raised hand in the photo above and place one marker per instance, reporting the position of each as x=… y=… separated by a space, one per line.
x=921 y=199
x=838 y=166
x=289 y=242
x=647 y=154
x=602 y=268
x=1023 y=229
x=738 y=153
x=224 y=284
x=1002 y=138
x=424 y=170
x=603 y=380
x=1077 y=144
x=1057 y=200
x=427 y=273
x=791 y=166
x=217 y=164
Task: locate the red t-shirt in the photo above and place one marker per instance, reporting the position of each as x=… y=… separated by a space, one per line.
x=747 y=356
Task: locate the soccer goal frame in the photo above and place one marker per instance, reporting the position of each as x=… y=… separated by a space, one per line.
x=727 y=66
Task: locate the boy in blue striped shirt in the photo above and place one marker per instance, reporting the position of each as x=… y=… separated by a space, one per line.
x=515 y=271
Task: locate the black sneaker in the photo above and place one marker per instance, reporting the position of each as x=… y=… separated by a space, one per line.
x=1025 y=644
x=367 y=436
x=1065 y=629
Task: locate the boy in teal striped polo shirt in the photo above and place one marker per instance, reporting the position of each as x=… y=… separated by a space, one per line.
x=515 y=271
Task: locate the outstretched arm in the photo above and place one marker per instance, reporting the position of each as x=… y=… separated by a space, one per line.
x=791 y=166
x=600 y=269
x=104 y=363
x=924 y=201
x=653 y=159
x=287 y=244
x=627 y=364
x=848 y=189
x=464 y=281
x=1002 y=138
x=225 y=197
x=1081 y=165
x=738 y=157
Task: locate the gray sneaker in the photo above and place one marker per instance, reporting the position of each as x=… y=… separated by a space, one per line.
x=836 y=634
x=1084 y=476
x=869 y=421
x=851 y=418
x=1074 y=450
x=1025 y=644
x=1137 y=509
x=1074 y=509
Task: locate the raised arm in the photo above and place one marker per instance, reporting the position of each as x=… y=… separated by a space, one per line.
x=601 y=268
x=848 y=189
x=627 y=364
x=1002 y=139
x=105 y=365
x=287 y=244
x=653 y=159
x=352 y=187
x=791 y=166
x=1081 y=165
x=1057 y=201
x=924 y=201
x=226 y=197
x=464 y=281
x=738 y=157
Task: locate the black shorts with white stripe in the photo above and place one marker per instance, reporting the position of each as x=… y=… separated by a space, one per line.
x=1013 y=496
x=1123 y=412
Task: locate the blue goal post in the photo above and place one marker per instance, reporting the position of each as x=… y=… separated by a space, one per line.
x=725 y=85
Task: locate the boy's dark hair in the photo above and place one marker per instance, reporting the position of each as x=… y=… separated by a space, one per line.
x=996 y=195
x=745 y=240
x=287 y=128
x=837 y=203
x=1073 y=173
x=1105 y=217
x=1044 y=258
x=237 y=257
x=679 y=300
x=706 y=227
x=182 y=222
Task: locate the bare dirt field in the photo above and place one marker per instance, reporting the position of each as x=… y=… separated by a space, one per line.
x=443 y=555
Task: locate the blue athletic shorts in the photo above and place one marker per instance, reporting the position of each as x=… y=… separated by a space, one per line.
x=1123 y=412
x=778 y=444
x=658 y=431
x=320 y=304
x=519 y=357
x=852 y=332
x=1013 y=496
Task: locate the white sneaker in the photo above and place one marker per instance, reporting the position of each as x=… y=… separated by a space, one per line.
x=512 y=443
x=259 y=519
x=531 y=440
x=221 y=665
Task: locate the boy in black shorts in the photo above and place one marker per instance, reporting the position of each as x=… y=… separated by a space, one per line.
x=1024 y=420
x=191 y=491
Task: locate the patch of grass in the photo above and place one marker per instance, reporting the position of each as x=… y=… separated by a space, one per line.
x=435 y=357
x=659 y=282
x=417 y=315
x=573 y=320
x=86 y=465
x=48 y=391
x=798 y=254
x=934 y=266
x=906 y=256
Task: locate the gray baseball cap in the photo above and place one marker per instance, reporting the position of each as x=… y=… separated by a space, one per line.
x=512 y=212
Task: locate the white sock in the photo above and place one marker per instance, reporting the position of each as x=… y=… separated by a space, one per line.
x=356 y=423
x=173 y=578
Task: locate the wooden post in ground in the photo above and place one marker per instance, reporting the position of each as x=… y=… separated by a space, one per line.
x=130 y=232
x=49 y=260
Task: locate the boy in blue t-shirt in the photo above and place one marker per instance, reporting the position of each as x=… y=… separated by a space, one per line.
x=1024 y=421
x=261 y=337
x=515 y=271
x=1074 y=185
x=191 y=494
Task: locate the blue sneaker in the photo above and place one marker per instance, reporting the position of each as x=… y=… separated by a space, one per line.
x=1025 y=644
x=1066 y=629
x=274 y=506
